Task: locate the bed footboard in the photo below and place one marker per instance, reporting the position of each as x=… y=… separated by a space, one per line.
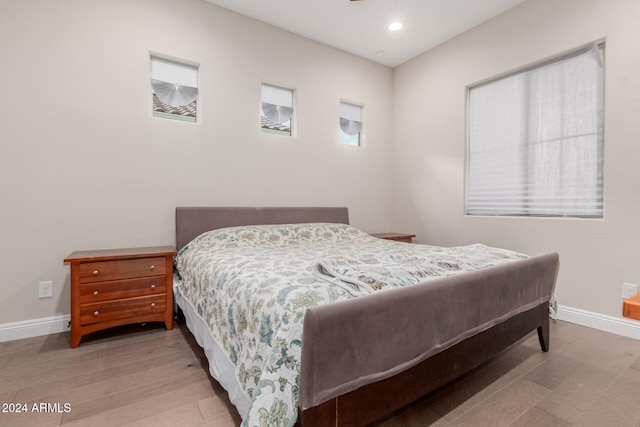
x=364 y=358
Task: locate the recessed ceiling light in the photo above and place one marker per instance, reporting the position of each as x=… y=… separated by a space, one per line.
x=395 y=26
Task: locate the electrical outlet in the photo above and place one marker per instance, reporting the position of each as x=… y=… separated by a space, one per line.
x=628 y=290
x=45 y=289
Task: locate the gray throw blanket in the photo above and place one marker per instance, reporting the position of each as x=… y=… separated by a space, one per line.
x=370 y=275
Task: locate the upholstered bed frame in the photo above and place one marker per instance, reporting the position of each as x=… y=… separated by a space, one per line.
x=364 y=358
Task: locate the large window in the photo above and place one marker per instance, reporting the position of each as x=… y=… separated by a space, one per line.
x=175 y=89
x=535 y=140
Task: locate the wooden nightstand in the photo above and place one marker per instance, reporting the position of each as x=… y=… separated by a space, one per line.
x=116 y=287
x=398 y=237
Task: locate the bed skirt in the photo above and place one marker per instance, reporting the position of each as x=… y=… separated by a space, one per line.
x=220 y=367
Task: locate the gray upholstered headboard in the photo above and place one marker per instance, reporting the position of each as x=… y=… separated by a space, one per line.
x=193 y=221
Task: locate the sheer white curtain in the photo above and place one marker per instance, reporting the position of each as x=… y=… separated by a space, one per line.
x=535 y=142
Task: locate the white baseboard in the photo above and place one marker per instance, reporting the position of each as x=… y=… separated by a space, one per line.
x=52 y=325
x=34 y=327
x=616 y=325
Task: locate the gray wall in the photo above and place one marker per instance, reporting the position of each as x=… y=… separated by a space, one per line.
x=85 y=166
x=596 y=256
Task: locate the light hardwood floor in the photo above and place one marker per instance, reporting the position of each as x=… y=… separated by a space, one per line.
x=144 y=375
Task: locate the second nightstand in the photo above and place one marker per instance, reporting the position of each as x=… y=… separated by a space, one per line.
x=398 y=237
x=116 y=287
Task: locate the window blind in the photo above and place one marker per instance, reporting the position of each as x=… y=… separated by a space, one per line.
x=350 y=118
x=277 y=103
x=174 y=83
x=535 y=140
x=350 y=124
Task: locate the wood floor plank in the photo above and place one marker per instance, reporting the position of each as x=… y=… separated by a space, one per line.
x=574 y=396
x=120 y=398
x=217 y=409
x=636 y=364
x=79 y=388
x=160 y=340
x=7 y=396
x=139 y=404
x=421 y=413
x=619 y=406
x=183 y=416
x=553 y=371
x=615 y=359
x=124 y=335
x=30 y=419
x=505 y=406
x=537 y=417
x=31 y=344
x=3 y=361
x=43 y=372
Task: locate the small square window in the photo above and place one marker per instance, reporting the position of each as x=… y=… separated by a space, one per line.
x=175 y=89
x=350 y=124
x=277 y=110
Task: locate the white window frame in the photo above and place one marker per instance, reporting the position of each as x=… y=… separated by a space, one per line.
x=535 y=144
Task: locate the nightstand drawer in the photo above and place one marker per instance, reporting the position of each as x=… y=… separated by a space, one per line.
x=118 y=289
x=100 y=271
x=121 y=309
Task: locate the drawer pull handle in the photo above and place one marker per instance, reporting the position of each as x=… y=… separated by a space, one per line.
x=153 y=305
x=95 y=272
x=96 y=313
x=95 y=293
x=153 y=286
x=153 y=267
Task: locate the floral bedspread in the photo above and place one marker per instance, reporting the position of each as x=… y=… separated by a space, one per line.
x=253 y=284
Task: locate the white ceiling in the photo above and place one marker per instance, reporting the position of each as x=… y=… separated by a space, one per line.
x=360 y=27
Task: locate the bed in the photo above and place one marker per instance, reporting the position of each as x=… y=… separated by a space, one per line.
x=352 y=338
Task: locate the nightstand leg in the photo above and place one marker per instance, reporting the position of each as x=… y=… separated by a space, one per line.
x=75 y=338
